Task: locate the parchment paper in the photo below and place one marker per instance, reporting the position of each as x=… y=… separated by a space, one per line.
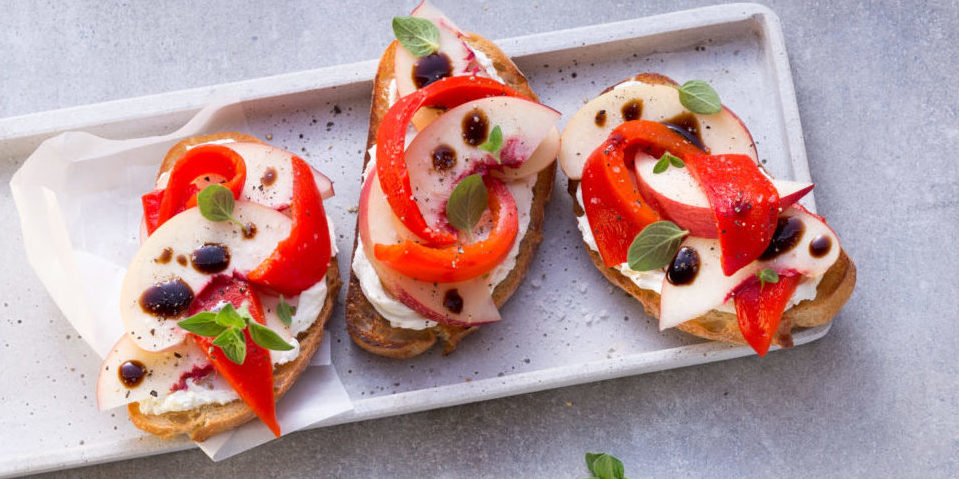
x=78 y=196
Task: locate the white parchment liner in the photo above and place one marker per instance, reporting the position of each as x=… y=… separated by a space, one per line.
x=78 y=196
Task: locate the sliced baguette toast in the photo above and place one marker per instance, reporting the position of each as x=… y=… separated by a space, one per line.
x=831 y=294
x=365 y=325
x=203 y=422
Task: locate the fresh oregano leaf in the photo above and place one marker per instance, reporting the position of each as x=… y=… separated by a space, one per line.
x=590 y=459
x=233 y=344
x=267 y=338
x=467 y=203
x=608 y=467
x=216 y=203
x=285 y=311
x=418 y=36
x=698 y=97
x=655 y=246
x=767 y=275
x=202 y=324
x=661 y=165
x=674 y=160
x=228 y=317
x=494 y=143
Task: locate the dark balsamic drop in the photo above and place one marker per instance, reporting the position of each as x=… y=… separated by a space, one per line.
x=600 y=119
x=431 y=68
x=632 y=110
x=443 y=158
x=169 y=299
x=788 y=232
x=475 y=128
x=249 y=231
x=453 y=301
x=165 y=256
x=269 y=176
x=687 y=125
x=211 y=258
x=181 y=259
x=684 y=267
x=820 y=246
x=131 y=373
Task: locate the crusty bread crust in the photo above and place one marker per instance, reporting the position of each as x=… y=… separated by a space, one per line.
x=831 y=294
x=365 y=325
x=203 y=422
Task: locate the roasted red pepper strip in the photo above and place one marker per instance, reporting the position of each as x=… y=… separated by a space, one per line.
x=151 y=209
x=744 y=202
x=204 y=160
x=391 y=144
x=760 y=308
x=459 y=263
x=300 y=260
x=252 y=380
x=615 y=209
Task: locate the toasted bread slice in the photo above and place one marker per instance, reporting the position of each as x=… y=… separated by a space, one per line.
x=831 y=294
x=211 y=419
x=366 y=326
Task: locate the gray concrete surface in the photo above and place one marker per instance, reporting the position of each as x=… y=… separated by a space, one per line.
x=878 y=396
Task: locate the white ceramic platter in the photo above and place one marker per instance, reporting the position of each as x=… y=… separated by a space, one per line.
x=565 y=325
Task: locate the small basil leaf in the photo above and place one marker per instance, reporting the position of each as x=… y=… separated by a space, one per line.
x=767 y=275
x=608 y=467
x=216 y=203
x=202 y=324
x=229 y=317
x=233 y=344
x=494 y=143
x=285 y=311
x=467 y=203
x=418 y=36
x=655 y=246
x=267 y=338
x=661 y=165
x=698 y=97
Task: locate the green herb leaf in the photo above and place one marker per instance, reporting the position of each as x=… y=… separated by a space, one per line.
x=467 y=203
x=698 y=97
x=233 y=343
x=494 y=143
x=228 y=317
x=267 y=338
x=216 y=203
x=418 y=36
x=590 y=459
x=202 y=324
x=767 y=275
x=655 y=246
x=674 y=160
x=605 y=466
x=285 y=311
x=661 y=165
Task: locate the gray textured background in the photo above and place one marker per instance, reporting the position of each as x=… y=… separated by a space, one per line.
x=878 y=396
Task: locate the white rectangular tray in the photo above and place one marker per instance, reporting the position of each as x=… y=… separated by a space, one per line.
x=565 y=325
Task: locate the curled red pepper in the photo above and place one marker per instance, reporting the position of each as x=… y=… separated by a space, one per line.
x=302 y=259
x=197 y=167
x=454 y=263
x=391 y=144
x=252 y=380
x=616 y=210
x=745 y=205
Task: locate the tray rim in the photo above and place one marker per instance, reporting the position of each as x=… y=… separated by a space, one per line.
x=33 y=128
